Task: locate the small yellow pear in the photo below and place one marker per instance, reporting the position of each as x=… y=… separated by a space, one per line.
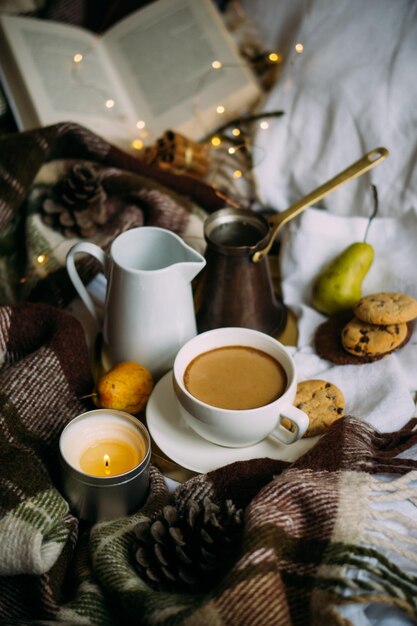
x=339 y=287
x=125 y=387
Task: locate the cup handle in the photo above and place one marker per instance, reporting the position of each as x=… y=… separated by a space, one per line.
x=88 y=248
x=298 y=419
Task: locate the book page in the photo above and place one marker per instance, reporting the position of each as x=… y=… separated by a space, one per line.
x=164 y=54
x=61 y=89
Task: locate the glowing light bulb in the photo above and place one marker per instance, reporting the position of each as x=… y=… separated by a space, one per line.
x=216 y=65
x=41 y=259
x=216 y=141
x=231 y=150
x=77 y=58
x=264 y=125
x=110 y=103
x=237 y=174
x=138 y=144
x=299 y=48
x=140 y=124
x=236 y=132
x=220 y=109
x=274 y=57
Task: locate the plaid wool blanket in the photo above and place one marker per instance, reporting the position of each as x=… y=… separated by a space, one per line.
x=316 y=536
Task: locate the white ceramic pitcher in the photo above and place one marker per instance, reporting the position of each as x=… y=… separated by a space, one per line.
x=149 y=308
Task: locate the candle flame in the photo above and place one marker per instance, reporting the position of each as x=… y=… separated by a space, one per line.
x=106 y=461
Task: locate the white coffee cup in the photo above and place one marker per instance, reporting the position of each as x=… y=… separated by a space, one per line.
x=238 y=428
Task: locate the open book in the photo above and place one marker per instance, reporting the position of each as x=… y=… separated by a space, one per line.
x=151 y=71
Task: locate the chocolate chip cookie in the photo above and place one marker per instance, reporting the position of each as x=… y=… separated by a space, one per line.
x=372 y=340
x=328 y=342
x=387 y=307
x=323 y=402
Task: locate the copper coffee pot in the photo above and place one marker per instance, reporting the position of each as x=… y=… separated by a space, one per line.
x=235 y=287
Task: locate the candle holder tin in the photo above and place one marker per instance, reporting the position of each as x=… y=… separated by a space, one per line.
x=101 y=498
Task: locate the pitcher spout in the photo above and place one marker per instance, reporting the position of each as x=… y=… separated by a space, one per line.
x=192 y=265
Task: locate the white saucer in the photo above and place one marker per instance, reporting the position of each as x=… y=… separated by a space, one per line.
x=181 y=444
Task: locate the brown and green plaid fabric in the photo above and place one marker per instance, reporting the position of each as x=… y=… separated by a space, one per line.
x=318 y=534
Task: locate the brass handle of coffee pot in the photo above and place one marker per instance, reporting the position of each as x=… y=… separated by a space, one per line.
x=367 y=162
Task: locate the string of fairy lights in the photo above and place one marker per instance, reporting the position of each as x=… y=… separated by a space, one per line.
x=138 y=142
x=216 y=139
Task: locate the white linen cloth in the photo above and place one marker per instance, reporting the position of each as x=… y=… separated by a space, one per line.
x=382 y=392
x=352 y=89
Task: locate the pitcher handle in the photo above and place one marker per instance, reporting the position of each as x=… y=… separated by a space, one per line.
x=88 y=248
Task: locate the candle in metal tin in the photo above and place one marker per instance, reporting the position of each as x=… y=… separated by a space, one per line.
x=104 y=456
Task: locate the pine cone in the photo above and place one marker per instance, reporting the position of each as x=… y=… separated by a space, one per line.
x=77 y=205
x=188 y=552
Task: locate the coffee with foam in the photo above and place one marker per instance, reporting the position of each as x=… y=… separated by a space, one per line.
x=235 y=377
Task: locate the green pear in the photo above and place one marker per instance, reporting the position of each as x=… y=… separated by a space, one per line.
x=339 y=287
